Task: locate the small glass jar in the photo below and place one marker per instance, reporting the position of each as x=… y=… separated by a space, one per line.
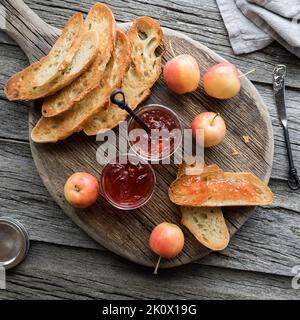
x=164 y=138
x=127 y=182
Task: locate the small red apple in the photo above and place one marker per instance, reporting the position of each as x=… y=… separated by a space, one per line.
x=222 y=81
x=213 y=126
x=166 y=240
x=81 y=190
x=182 y=74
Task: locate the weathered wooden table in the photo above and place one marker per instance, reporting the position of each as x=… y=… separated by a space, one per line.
x=63 y=263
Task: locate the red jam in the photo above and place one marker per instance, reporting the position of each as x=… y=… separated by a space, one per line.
x=161 y=142
x=129 y=185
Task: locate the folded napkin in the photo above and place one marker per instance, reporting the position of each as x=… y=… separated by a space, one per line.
x=254 y=24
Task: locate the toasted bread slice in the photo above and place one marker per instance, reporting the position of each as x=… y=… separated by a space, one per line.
x=100 y=19
x=141 y=76
x=62 y=53
x=207 y=225
x=59 y=127
x=218 y=189
x=83 y=58
x=24 y=85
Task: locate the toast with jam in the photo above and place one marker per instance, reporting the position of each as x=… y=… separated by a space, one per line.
x=215 y=188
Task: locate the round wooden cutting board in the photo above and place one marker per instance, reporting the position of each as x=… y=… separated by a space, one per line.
x=127 y=232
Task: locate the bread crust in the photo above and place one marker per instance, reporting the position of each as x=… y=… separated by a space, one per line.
x=27 y=85
x=144 y=71
x=60 y=127
x=100 y=19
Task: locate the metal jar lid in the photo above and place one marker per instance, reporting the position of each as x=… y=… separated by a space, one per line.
x=14 y=242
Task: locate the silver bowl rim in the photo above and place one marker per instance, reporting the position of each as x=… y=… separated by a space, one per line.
x=25 y=239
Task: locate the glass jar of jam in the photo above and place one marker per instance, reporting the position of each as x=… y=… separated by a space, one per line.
x=164 y=136
x=127 y=182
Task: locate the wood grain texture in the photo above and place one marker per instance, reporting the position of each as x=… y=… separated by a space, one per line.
x=199 y=19
x=14 y=119
x=56 y=162
x=30 y=32
x=90 y=274
x=274 y=230
x=127 y=235
x=266 y=243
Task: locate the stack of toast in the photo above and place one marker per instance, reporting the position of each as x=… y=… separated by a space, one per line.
x=89 y=60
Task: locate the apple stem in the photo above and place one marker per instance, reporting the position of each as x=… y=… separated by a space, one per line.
x=216 y=115
x=171 y=48
x=245 y=74
x=157 y=265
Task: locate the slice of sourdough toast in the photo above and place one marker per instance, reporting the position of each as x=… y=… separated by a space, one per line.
x=218 y=189
x=24 y=85
x=207 y=225
x=61 y=54
x=83 y=58
x=60 y=127
x=145 y=69
x=100 y=19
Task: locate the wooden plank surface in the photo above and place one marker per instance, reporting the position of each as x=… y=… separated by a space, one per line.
x=52 y=272
x=269 y=241
x=24 y=197
x=199 y=19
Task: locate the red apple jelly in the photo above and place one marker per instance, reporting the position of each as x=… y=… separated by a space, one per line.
x=128 y=184
x=165 y=134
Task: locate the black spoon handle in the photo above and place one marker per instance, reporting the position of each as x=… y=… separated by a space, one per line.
x=121 y=103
